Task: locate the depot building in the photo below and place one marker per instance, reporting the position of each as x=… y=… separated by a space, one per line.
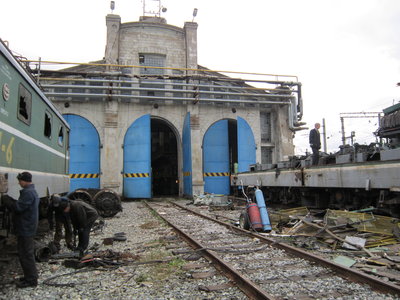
x=148 y=121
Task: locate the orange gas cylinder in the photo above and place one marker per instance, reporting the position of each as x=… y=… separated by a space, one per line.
x=254 y=215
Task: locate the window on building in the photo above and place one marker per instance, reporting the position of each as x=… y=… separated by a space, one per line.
x=47 y=124
x=61 y=136
x=24 y=105
x=265 y=120
x=266 y=155
x=152 y=60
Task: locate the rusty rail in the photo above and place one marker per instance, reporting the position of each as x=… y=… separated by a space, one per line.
x=252 y=290
x=345 y=272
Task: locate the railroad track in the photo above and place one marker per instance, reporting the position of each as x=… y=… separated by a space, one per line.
x=265 y=269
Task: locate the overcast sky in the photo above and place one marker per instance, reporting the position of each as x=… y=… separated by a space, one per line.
x=346 y=53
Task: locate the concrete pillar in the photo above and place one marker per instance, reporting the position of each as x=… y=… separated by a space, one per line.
x=191 y=44
x=190 y=29
x=112 y=154
x=197 y=150
x=113 y=23
x=284 y=145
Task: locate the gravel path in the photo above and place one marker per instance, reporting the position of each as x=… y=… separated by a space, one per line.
x=147 y=240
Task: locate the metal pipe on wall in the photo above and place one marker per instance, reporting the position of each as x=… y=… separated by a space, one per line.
x=84 y=95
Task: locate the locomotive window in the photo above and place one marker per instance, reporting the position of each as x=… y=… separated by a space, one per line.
x=61 y=136
x=47 y=124
x=24 y=105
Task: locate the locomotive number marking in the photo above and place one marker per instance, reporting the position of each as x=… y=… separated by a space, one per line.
x=7 y=149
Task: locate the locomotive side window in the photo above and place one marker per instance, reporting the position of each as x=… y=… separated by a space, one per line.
x=24 y=105
x=61 y=136
x=47 y=124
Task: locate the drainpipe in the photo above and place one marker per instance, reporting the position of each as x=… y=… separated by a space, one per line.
x=293 y=124
x=300 y=102
x=296 y=112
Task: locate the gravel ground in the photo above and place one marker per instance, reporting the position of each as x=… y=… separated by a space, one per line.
x=147 y=240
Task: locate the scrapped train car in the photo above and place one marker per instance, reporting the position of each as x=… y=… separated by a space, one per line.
x=33 y=134
x=355 y=177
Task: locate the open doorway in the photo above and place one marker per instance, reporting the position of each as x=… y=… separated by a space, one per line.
x=164 y=159
x=233 y=145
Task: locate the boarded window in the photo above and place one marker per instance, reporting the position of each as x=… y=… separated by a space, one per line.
x=152 y=60
x=24 y=105
x=47 y=124
x=265 y=120
x=266 y=155
x=61 y=136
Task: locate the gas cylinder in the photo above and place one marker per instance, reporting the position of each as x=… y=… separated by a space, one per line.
x=254 y=215
x=266 y=224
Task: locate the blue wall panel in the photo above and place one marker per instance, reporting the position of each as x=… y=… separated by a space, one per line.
x=246 y=145
x=187 y=157
x=137 y=159
x=84 y=150
x=216 y=158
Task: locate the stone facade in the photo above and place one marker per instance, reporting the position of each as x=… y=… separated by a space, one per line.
x=178 y=49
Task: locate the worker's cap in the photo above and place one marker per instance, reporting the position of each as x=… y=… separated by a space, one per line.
x=56 y=200
x=59 y=201
x=25 y=176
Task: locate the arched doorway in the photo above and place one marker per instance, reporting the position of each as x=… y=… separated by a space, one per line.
x=84 y=151
x=150 y=159
x=164 y=159
x=225 y=144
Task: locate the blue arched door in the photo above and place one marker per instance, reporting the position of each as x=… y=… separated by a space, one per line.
x=216 y=159
x=246 y=145
x=187 y=157
x=84 y=151
x=137 y=159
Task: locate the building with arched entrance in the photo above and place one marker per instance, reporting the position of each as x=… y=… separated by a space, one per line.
x=148 y=121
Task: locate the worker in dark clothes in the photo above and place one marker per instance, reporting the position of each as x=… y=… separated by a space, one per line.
x=26 y=219
x=82 y=217
x=315 y=143
x=55 y=214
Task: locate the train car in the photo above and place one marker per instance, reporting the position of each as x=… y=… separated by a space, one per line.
x=355 y=177
x=33 y=134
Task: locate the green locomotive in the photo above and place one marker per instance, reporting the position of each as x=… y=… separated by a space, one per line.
x=33 y=134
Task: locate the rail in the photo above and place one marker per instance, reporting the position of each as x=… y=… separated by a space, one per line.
x=356 y=276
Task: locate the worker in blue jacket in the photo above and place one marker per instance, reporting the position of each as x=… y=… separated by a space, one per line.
x=26 y=218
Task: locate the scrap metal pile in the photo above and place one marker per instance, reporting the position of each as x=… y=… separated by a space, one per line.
x=356 y=239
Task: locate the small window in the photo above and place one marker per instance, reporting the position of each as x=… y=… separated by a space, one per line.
x=61 y=136
x=47 y=124
x=24 y=105
x=141 y=59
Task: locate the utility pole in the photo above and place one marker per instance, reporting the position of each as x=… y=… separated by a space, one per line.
x=324 y=134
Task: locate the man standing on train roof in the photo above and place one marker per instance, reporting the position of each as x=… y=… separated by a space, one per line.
x=82 y=216
x=315 y=143
x=26 y=218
